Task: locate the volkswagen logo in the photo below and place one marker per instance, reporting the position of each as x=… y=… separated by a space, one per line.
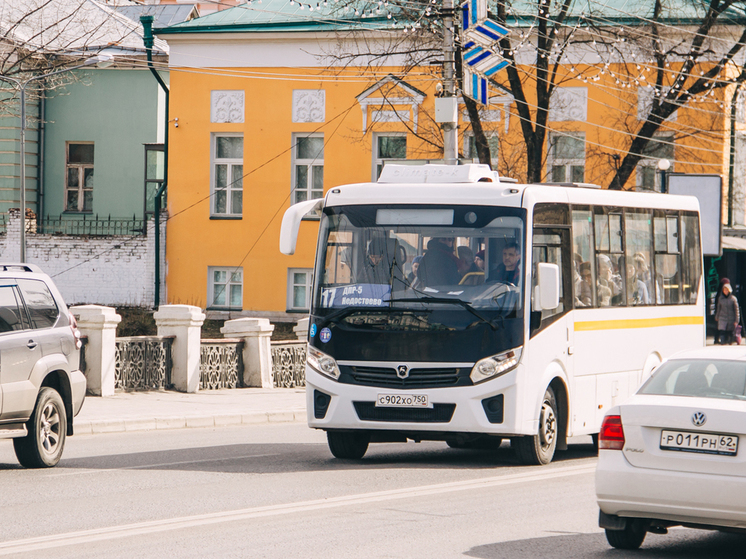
x=699 y=418
x=402 y=371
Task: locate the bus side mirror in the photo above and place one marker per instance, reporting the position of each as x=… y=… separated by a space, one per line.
x=546 y=295
x=291 y=223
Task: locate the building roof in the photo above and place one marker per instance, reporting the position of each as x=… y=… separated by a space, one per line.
x=312 y=15
x=286 y=15
x=163 y=14
x=71 y=27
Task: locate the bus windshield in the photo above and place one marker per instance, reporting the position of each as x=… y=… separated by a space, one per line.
x=378 y=259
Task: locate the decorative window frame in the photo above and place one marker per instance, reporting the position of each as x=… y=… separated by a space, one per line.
x=389 y=109
x=231 y=162
x=567 y=163
x=316 y=162
x=231 y=273
x=291 y=285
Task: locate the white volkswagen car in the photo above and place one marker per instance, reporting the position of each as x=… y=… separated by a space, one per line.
x=675 y=453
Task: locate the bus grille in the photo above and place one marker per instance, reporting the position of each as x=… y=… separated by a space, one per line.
x=439 y=413
x=385 y=377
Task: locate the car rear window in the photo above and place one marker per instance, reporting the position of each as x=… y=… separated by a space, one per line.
x=702 y=378
x=39 y=302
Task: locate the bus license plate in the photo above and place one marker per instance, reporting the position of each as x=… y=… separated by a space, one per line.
x=402 y=401
x=708 y=443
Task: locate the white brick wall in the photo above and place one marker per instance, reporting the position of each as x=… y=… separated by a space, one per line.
x=113 y=271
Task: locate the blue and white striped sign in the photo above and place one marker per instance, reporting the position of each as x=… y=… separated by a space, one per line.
x=472 y=12
x=475 y=86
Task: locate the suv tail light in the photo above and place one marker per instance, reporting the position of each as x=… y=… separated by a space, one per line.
x=76 y=332
x=611 y=436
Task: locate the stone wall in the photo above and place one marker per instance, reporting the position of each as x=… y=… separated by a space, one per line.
x=112 y=270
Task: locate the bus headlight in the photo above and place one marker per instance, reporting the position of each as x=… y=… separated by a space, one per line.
x=496 y=365
x=322 y=363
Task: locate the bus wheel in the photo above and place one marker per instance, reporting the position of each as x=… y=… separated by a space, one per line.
x=348 y=445
x=539 y=449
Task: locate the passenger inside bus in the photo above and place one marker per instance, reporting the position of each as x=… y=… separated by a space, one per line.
x=609 y=288
x=439 y=265
x=583 y=293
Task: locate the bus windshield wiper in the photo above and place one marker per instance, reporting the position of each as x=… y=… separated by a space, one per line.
x=447 y=301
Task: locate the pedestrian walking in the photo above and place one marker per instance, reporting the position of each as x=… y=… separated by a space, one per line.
x=727 y=315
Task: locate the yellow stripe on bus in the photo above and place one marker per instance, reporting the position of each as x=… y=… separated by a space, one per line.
x=637 y=323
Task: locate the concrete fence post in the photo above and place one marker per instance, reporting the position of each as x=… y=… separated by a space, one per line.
x=185 y=323
x=301 y=329
x=99 y=325
x=257 y=350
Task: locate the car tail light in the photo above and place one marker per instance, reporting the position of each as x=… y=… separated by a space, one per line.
x=611 y=436
x=76 y=332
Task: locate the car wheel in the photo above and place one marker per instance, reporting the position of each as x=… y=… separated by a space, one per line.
x=538 y=450
x=348 y=445
x=47 y=429
x=630 y=538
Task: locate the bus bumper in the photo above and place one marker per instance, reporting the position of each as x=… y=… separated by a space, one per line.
x=334 y=405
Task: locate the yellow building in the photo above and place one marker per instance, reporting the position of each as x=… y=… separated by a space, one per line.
x=265 y=112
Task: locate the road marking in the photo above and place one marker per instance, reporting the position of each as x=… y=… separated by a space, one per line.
x=160 y=465
x=166 y=525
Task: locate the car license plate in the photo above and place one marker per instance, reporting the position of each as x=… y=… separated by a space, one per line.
x=709 y=443
x=402 y=401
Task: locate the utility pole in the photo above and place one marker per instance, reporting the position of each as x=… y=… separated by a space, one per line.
x=449 y=101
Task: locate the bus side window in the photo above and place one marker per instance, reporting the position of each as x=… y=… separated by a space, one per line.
x=667 y=258
x=690 y=246
x=639 y=244
x=610 y=264
x=584 y=273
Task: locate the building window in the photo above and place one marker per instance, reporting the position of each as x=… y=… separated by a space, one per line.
x=470 y=148
x=227 y=175
x=154 y=168
x=660 y=147
x=225 y=288
x=387 y=147
x=308 y=168
x=79 y=178
x=299 y=289
x=567 y=157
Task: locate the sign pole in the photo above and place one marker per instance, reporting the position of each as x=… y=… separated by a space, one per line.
x=450 y=129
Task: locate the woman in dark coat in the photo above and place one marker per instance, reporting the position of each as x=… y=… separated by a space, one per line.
x=727 y=315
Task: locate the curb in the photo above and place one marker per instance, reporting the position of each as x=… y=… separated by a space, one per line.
x=101 y=426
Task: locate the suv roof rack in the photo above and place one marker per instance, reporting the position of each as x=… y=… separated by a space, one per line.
x=20 y=267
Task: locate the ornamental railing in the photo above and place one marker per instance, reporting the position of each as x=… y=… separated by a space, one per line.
x=289 y=364
x=91 y=226
x=143 y=363
x=221 y=364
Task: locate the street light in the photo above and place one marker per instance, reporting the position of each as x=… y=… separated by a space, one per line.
x=101 y=61
x=663 y=166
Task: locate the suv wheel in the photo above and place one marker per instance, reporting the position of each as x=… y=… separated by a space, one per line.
x=47 y=428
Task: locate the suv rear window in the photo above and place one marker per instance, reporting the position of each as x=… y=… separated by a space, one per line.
x=39 y=302
x=10 y=312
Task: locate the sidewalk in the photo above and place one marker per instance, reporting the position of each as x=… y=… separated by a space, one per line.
x=141 y=411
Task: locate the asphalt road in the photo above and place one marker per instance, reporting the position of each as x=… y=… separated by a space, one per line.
x=274 y=491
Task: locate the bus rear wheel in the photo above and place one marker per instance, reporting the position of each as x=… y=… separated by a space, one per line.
x=538 y=450
x=348 y=445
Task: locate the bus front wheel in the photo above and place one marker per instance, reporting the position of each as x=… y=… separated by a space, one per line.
x=537 y=450
x=348 y=445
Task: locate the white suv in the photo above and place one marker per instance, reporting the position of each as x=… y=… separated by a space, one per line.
x=41 y=386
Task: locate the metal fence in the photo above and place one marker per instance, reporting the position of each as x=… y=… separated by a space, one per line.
x=289 y=364
x=91 y=226
x=143 y=363
x=221 y=364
